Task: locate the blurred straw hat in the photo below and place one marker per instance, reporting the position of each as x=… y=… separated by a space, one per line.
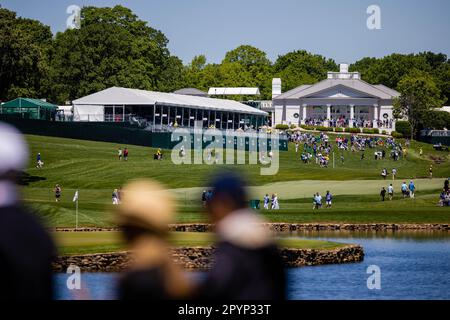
x=145 y=204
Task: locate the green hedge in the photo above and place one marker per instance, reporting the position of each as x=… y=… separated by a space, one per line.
x=353 y=130
x=306 y=127
x=322 y=128
x=383 y=132
x=282 y=127
x=371 y=130
x=339 y=129
x=293 y=126
x=396 y=134
x=403 y=127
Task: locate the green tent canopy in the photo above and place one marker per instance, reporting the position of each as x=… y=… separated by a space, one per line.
x=29 y=108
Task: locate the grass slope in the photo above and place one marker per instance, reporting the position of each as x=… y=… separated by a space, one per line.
x=93 y=168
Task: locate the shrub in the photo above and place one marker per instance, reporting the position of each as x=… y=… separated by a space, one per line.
x=293 y=126
x=282 y=127
x=322 y=128
x=353 y=130
x=306 y=127
x=339 y=129
x=371 y=130
x=396 y=134
x=403 y=127
x=383 y=132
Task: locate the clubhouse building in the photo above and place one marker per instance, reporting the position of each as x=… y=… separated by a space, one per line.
x=341 y=100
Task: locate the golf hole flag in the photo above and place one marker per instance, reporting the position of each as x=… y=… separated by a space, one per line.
x=75 y=197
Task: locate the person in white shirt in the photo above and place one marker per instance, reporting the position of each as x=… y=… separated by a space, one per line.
x=390 y=191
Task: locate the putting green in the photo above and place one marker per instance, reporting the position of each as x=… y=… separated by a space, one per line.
x=110 y=241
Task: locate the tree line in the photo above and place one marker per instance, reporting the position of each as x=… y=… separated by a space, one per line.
x=113 y=47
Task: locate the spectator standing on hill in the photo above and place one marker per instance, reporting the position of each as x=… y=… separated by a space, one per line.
x=394 y=173
x=431 y=171
x=412 y=189
x=383 y=193
x=57 y=192
x=446 y=185
x=125 y=154
x=296 y=146
x=119 y=153
x=420 y=151
x=390 y=191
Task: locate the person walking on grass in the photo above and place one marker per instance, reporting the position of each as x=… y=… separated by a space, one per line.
x=39 y=162
x=125 y=154
x=57 y=192
x=431 y=171
x=404 y=188
x=119 y=153
x=266 y=201
x=394 y=173
x=420 y=152
x=115 y=197
x=328 y=198
x=412 y=189
x=390 y=191
x=384 y=173
x=383 y=193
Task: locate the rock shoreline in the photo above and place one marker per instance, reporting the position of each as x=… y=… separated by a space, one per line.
x=200 y=258
x=283 y=227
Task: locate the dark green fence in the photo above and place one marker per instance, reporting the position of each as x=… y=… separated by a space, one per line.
x=121 y=133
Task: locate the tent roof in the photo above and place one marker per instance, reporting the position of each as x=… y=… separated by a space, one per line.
x=191 y=92
x=126 y=96
x=233 y=91
x=379 y=91
x=29 y=103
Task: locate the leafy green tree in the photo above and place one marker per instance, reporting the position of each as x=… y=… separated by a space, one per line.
x=419 y=96
x=112 y=48
x=301 y=67
x=24 y=47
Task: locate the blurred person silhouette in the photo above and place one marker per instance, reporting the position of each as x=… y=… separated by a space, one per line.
x=26 y=250
x=145 y=212
x=247 y=264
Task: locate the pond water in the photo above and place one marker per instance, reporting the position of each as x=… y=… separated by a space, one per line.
x=413 y=265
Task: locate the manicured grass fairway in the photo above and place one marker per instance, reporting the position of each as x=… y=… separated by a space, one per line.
x=93 y=169
x=111 y=241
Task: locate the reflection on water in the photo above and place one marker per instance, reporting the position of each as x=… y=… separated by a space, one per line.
x=414 y=265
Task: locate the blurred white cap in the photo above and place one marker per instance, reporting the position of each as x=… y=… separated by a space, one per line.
x=13 y=149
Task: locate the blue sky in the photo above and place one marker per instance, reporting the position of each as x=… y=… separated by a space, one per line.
x=335 y=29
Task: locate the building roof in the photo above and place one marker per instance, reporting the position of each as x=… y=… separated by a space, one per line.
x=233 y=91
x=126 y=96
x=304 y=91
x=28 y=103
x=191 y=92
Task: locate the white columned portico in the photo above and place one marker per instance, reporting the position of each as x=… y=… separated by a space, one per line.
x=304 y=113
x=327 y=124
x=375 y=116
x=352 y=116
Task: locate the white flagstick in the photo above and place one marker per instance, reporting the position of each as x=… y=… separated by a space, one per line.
x=75 y=199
